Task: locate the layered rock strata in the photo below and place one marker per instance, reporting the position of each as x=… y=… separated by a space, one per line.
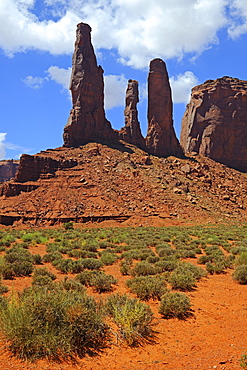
x=131 y=132
x=161 y=139
x=87 y=118
x=215 y=122
x=8 y=169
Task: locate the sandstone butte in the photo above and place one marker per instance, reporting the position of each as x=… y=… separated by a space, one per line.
x=215 y=122
x=101 y=174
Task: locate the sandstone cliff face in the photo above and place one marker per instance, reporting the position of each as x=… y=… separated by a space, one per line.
x=131 y=132
x=161 y=138
x=87 y=118
x=8 y=169
x=215 y=122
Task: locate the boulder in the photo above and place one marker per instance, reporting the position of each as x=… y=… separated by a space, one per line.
x=215 y=122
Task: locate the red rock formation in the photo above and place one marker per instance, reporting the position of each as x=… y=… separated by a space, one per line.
x=8 y=169
x=215 y=122
x=87 y=118
x=161 y=139
x=131 y=132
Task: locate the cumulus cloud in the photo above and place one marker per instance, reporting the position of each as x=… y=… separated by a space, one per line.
x=60 y=75
x=181 y=86
x=238 y=11
x=139 y=29
x=2 y=145
x=115 y=88
x=34 y=82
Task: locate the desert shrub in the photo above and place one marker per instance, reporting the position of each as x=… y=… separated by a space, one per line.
x=3 y=288
x=133 y=318
x=42 y=281
x=166 y=251
x=167 y=264
x=43 y=272
x=185 y=267
x=175 y=305
x=98 y=280
x=17 y=254
x=81 y=253
x=146 y=287
x=240 y=274
x=182 y=281
x=108 y=258
x=204 y=259
x=144 y=268
x=50 y=257
x=37 y=259
x=72 y=284
x=101 y=282
x=68 y=226
x=7 y=239
x=53 y=324
x=91 y=263
x=153 y=259
x=6 y=271
x=23 y=268
x=243 y=361
x=241 y=259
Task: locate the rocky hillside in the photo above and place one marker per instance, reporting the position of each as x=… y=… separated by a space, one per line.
x=121 y=183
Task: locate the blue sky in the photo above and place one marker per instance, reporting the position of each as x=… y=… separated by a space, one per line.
x=198 y=40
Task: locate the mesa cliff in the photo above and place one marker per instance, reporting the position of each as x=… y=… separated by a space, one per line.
x=215 y=122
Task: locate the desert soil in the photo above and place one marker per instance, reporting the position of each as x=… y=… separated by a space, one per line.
x=214 y=337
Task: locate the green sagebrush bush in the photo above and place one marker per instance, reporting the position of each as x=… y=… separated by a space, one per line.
x=133 y=318
x=144 y=268
x=240 y=274
x=52 y=323
x=98 y=280
x=175 y=305
x=146 y=287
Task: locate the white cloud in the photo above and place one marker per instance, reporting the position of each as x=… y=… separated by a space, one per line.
x=34 y=82
x=139 y=29
x=115 y=88
x=181 y=86
x=238 y=11
x=60 y=75
x=2 y=145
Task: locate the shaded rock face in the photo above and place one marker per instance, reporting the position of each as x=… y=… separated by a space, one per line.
x=8 y=169
x=87 y=121
x=131 y=132
x=161 y=138
x=215 y=122
x=87 y=118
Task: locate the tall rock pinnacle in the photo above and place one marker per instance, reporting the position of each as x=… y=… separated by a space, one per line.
x=87 y=118
x=161 y=138
x=131 y=132
x=215 y=122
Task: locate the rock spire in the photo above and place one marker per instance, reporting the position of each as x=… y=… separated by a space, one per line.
x=161 y=138
x=87 y=118
x=131 y=132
